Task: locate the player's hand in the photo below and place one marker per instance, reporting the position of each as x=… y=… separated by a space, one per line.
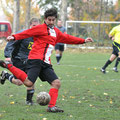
x=88 y=40
x=113 y=38
x=9 y=38
x=8 y=59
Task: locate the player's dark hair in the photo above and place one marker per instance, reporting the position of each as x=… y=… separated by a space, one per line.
x=50 y=12
x=34 y=20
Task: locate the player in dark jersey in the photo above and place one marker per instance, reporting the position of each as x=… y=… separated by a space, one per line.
x=59 y=47
x=17 y=52
x=39 y=65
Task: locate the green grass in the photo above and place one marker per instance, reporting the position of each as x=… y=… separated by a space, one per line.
x=85 y=94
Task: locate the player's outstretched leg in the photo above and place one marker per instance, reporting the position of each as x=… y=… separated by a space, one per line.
x=4 y=64
x=7 y=76
x=21 y=75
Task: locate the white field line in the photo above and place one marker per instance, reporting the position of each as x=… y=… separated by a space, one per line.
x=107 y=80
x=78 y=66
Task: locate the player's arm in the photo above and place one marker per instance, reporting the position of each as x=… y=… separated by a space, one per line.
x=26 y=33
x=10 y=47
x=111 y=37
x=112 y=33
x=69 y=39
x=8 y=50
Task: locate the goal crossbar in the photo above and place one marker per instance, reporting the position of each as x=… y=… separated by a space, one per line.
x=94 y=22
x=114 y=22
x=70 y=29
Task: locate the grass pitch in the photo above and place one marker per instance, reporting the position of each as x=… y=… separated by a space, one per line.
x=85 y=94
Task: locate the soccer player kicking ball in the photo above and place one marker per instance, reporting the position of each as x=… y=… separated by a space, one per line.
x=39 y=65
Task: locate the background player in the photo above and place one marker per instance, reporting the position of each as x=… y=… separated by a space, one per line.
x=115 y=36
x=17 y=52
x=59 y=47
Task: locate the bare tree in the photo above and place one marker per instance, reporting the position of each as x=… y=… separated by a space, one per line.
x=99 y=30
x=16 y=16
x=64 y=11
x=28 y=9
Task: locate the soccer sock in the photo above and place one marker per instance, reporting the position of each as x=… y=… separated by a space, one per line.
x=9 y=77
x=58 y=57
x=106 y=64
x=17 y=72
x=117 y=62
x=30 y=94
x=53 y=94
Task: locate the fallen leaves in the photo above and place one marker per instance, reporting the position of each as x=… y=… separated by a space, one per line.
x=79 y=101
x=90 y=105
x=111 y=102
x=12 y=102
x=44 y=119
x=71 y=115
x=72 y=97
x=105 y=93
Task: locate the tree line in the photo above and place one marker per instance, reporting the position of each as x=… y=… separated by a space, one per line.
x=19 y=12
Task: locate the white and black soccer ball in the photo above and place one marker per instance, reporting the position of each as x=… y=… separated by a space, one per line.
x=43 y=98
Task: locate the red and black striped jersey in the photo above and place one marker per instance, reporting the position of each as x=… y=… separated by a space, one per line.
x=45 y=39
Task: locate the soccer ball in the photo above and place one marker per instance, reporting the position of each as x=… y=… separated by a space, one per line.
x=43 y=98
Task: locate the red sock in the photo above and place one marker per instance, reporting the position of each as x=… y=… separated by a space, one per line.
x=17 y=72
x=53 y=94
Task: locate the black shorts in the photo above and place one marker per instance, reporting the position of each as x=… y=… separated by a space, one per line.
x=59 y=47
x=116 y=48
x=21 y=64
x=38 y=68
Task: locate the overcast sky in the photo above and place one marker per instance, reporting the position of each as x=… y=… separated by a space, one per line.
x=114 y=1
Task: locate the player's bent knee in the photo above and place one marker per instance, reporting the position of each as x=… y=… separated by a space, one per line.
x=30 y=88
x=28 y=83
x=56 y=83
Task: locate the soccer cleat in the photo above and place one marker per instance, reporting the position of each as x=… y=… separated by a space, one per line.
x=54 y=109
x=29 y=102
x=58 y=63
x=4 y=64
x=115 y=69
x=103 y=70
x=3 y=77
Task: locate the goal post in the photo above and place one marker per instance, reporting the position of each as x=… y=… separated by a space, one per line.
x=98 y=30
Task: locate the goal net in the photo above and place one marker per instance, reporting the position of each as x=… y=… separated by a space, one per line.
x=98 y=30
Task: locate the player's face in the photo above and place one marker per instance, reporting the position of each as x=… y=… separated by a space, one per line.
x=50 y=21
x=59 y=23
x=34 y=24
